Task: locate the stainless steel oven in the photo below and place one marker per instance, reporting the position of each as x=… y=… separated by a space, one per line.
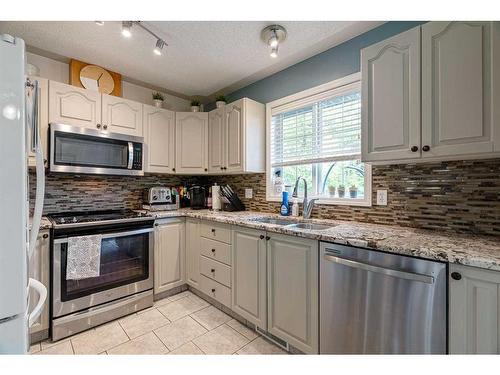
x=125 y=280
x=75 y=149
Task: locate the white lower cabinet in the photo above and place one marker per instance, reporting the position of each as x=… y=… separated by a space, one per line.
x=39 y=269
x=474 y=310
x=249 y=293
x=169 y=254
x=193 y=252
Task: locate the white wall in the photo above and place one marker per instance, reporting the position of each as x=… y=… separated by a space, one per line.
x=59 y=71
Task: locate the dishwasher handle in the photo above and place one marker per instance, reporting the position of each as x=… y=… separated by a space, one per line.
x=382 y=270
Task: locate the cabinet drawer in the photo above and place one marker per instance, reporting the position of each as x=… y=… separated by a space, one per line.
x=215 y=290
x=216 y=271
x=216 y=250
x=215 y=231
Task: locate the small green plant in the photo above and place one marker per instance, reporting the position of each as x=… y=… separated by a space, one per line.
x=158 y=96
x=195 y=103
x=221 y=98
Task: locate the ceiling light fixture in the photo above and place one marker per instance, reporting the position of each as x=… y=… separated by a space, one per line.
x=159 y=47
x=273 y=35
x=126 y=26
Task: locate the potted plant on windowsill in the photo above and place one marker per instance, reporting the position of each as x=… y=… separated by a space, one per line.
x=158 y=99
x=341 y=191
x=331 y=191
x=195 y=106
x=353 y=191
x=220 y=101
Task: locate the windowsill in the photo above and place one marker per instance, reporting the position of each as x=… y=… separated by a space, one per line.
x=332 y=201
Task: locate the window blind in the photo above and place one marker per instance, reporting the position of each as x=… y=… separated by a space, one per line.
x=326 y=130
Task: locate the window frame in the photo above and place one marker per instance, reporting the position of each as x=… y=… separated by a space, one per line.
x=301 y=99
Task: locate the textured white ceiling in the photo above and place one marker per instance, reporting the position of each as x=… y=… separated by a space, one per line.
x=201 y=58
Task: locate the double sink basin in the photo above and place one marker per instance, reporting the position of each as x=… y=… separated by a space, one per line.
x=291 y=224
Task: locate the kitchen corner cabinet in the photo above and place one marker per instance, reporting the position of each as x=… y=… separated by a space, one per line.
x=191 y=140
x=457 y=66
x=474 y=310
x=237 y=141
x=169 y=254
x=159 y=139
x=43 y=118
x=73 y=105
x=391 y=98
x=248 y=275
x=292 y=287
x=193 y=252
x=121 y=115
x=39 y=269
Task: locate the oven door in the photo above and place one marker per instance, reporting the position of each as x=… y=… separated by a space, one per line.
x=75 y=149
x=126 y=268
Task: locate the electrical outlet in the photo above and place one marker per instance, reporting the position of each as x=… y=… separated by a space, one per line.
x=249 y=193
x=382 y=197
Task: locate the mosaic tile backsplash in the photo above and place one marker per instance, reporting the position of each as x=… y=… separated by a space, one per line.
x=462 y=196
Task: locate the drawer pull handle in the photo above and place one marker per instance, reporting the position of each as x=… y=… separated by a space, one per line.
x=213 y=290
x=212 y=270
x=213 y=251
x=213 y=230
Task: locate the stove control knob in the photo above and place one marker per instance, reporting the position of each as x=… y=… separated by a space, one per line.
x=62 y=220
x=155 y=197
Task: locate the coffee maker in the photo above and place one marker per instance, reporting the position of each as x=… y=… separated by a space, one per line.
x=197 y=197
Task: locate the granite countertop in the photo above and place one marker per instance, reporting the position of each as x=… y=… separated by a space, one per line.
x=466 y=249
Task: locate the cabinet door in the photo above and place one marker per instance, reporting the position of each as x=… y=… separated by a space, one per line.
x=73 y=105
x=121 y=115
x=193 y=252
x=248 y=275
x=457 y=89
x=159 y=138
x=43 y=118
x=216 y=140
x=390 y=108
x=234 y=136
x=474 y=311
x=169 y=255
x=191 y=134
x=292 y=277
x=39 y=269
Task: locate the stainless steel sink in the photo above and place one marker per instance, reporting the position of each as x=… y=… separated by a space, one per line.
x=310 y=226
x=269 y=220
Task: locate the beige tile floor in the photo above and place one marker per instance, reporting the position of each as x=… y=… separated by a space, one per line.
x=180 y=324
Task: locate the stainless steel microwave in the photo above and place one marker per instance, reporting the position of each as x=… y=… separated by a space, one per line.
x=75 y=149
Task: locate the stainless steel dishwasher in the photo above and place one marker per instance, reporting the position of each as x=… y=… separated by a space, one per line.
x=378 y=303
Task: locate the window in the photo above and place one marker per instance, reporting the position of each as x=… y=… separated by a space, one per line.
x=316 y=134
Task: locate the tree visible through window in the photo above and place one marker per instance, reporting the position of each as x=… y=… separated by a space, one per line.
x=320 y=140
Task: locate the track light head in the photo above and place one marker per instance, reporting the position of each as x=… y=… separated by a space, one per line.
x=126 y=29
x=159 y=47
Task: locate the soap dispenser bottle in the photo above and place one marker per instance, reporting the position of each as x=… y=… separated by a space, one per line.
x=285 y=208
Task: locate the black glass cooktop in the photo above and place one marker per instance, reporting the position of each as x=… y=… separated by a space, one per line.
x=94 y=216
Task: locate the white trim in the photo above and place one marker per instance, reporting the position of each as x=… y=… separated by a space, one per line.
x=299 y=99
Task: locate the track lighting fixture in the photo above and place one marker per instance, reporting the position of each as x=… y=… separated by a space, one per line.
x=126 y=26
x=159 y=47
x=273 y=35
x=126 y=32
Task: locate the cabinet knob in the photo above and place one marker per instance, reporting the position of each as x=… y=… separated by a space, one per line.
x=268 y=238
x=45 y=235
x=212 y=270
x=414 y=148
x=156 y=224
x=213 y=230
x=426 y=148
x=222 y=168
x=173 y=169
x=206 y=169
x=105 y=127
x=213 y=290
x=456 y=276
x=262 y=236
x=213 y=251
x=98 y=126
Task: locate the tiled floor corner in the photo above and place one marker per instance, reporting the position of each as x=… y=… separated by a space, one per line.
x=180 y=324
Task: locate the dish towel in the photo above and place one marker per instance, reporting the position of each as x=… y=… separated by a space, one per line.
x=84 y=257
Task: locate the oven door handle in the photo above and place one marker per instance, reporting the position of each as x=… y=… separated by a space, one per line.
x=130 y=155
x=110 y=235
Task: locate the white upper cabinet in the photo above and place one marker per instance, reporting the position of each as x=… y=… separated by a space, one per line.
x=121 y=115
x=457 y=90
x=74 y=106
x=237 y=144
x=159 y=139
x=457 y=66
x=191 y=135
x=391 y=98
x=216 y=140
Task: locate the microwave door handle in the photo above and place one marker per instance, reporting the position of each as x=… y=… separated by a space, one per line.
x=130 y=155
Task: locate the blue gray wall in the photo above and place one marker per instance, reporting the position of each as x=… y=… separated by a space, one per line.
x=327 y=66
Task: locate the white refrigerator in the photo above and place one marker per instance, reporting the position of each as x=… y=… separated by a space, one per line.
x=19 y=135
